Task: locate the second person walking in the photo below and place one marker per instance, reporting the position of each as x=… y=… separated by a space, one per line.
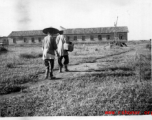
x=60 y=40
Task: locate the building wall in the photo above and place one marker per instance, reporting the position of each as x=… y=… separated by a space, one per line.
x=26 y=40
x=4 y=40
x=105 y=37
x=1 y=40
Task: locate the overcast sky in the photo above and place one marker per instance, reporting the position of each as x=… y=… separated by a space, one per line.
x=38 y=14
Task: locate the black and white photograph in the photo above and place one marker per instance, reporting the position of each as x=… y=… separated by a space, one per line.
x=75 y=58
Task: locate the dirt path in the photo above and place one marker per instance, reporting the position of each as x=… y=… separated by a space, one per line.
x=83 y=68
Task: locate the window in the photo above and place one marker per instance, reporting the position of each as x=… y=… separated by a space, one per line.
x=91 y=37
x=75 y=37
x=121 y=37
x=25 y=40
x=83 y=37
x=39 y=39
x=108 y=37
x=68 y=37
x=99 y=37
x=33 y=41
x=14 y=40
x=4 y=40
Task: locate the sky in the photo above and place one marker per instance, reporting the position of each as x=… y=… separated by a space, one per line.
x=19 y=15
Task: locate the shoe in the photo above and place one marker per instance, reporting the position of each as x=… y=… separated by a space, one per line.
x=66 y=68
x=52 y=77
x=46 y=77
x=60 y=69
x=46 y=74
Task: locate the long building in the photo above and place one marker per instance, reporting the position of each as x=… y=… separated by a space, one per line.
x=97 y=34
x=75 y=34
x=26 y=37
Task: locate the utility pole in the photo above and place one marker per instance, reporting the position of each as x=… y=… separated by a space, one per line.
x=115 y=33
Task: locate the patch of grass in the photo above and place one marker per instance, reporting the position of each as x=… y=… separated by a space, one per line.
x=96 y=49
x=88 y=60
x=76 y=61
x=39 y=54
x=10 y=65
x=143 y=66
x=148 y=46
x=15 y=84
x=88 y=95
x=114 y=88
x=30 y=55
x=14 y=63
x=11 y=88
x=3 y=50
x=117 y=68
x=27 y=56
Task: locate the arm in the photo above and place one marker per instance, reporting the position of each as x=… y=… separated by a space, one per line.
x=57 y=39
x=55 y=46
x=43 y=44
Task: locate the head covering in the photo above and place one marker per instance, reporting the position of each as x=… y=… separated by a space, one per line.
x=50 y=30
x=61 y=32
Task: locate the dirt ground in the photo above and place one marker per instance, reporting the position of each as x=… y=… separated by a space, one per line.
x=83 y=68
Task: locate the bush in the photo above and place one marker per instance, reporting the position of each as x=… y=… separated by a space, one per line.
x=10 y=65
x=16 y=84
x=39 y=55
x=27 y=56
x=3 y=49
x=148 y=46
x=96 y=49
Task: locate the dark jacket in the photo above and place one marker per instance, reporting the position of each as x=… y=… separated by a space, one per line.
x=49 y=43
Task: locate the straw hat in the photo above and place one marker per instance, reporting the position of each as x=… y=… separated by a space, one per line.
x=50 y=30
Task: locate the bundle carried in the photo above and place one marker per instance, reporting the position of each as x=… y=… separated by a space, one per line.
x=69 y=46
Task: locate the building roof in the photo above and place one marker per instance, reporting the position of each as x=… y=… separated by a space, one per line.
x=96 y=30
x=3 y=37
x=26 y=33
x=71 y=31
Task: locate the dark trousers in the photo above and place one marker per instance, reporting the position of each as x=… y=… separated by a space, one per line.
x=66 y=60
x=49 y=63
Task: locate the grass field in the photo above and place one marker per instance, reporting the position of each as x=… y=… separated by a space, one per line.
x=101 y=79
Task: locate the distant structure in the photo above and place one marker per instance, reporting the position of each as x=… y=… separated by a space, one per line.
x=105 y=34
x=4 y=41
x=26 y=37
x=97 y=34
